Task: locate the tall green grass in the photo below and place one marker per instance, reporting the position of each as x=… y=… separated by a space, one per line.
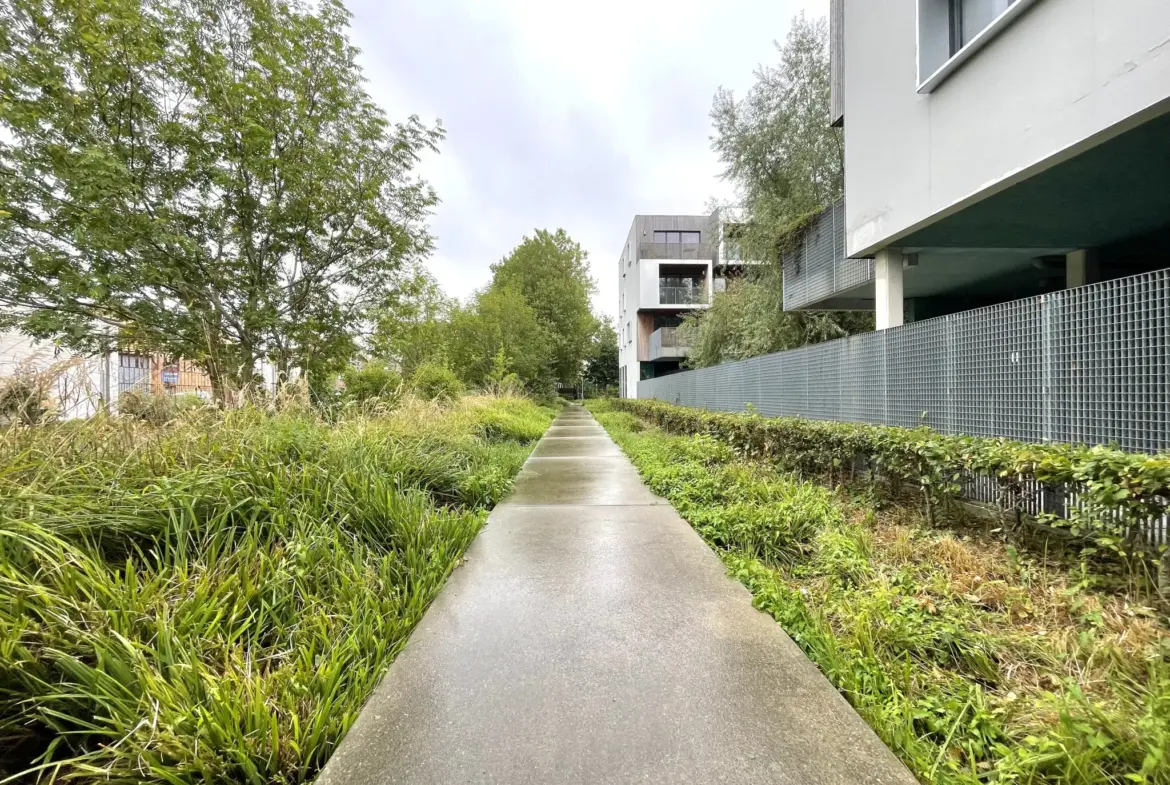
x=973 y=661
x=213 y=600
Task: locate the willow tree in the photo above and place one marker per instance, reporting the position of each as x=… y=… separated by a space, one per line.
x=787 y=164
x=204 y=178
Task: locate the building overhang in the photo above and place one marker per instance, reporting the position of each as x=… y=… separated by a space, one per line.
x=1117 y=189
x=1012 y=242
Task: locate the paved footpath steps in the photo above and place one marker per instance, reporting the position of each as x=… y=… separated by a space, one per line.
x=593 y=637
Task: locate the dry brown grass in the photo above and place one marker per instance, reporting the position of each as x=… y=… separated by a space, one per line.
x=1053 y=624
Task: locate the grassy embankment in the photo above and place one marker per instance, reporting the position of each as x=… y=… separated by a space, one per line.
x=213 y=600
x=973 y=660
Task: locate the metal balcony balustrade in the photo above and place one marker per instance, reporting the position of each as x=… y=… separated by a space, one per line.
x=667 y=344
x=676 y=294
x=817 y=268
x=699 y=252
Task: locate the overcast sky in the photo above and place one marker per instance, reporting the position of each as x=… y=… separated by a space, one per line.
x=558 y=114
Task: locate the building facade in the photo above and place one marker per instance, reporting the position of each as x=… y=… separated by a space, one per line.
x=994 y=150
x=78 y=386
x=1007 y=218
x=670 y=265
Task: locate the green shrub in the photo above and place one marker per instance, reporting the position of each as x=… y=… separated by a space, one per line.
x=373 y=381
x=972 y=666
x=436 y=382
x=1119 y=492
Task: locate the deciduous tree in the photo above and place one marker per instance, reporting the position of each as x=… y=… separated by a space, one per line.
x=205 y=178
x=410 y=325
x=601 y=365
x=552 y=273
x=786 y=163
x=497 y=333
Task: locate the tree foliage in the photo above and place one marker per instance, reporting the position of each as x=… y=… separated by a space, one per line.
x=776 y=144
x=409 y=325
x=601 y=365
x=498 y=324
x=787 y=164
x=552 y=273
x=531 y=325
x=748 y=319
x=205 y=178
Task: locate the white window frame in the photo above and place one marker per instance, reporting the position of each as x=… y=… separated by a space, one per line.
x=997 y=26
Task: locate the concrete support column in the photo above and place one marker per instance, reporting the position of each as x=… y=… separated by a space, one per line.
x=1080 y=268
x=888 y=288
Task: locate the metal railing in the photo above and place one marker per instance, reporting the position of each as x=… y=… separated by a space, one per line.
x=818 y=269
x=1087 y=365
x=682 y=295
x=700 y=252
x=667 y=344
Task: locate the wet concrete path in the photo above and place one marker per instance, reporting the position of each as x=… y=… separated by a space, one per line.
x=593 y=637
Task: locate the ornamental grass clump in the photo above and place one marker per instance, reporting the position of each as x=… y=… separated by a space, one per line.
x=213 y=599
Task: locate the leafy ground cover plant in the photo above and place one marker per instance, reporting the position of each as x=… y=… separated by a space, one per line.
x=1120 y=495
x=212 y=600
x=974 y=661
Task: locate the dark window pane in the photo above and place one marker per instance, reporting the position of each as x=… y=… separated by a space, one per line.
x=690 y=237
x=660 y=237
x=672 y=237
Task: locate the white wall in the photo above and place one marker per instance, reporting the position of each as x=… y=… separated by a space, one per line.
x=1062 y=77
x=627 y=315
x=80 y=382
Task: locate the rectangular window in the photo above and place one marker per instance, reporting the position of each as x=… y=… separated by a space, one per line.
x=950 y=31
x=970 y=17
x=677 y=237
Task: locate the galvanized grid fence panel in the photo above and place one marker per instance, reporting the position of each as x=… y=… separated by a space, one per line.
x=1085 y=365
x=818 y=268
x=1088 y=365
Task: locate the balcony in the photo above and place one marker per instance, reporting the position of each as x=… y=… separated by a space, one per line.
x=699 y=252
x=676 y=294
x=817 y=274
x=666 y=344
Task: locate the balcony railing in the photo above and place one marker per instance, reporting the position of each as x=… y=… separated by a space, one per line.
x=699 y=252
x=682 y=295
x=667 y=344
x=817 y=270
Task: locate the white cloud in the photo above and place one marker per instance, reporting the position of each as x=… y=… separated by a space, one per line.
x=563 y=115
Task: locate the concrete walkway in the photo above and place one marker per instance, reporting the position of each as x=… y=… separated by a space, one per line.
x=593 y=637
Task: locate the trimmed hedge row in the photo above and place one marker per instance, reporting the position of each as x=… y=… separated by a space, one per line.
x=1120 y=496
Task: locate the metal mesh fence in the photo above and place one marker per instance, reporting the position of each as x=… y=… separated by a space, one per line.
x=818 y=268
x=153 y=375
x=1084 y=365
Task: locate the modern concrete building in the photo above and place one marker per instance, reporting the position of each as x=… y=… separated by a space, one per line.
x=994 y=150
x=670 y=265
x=1006 y=216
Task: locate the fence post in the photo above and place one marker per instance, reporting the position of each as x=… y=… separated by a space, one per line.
x=949 y=365
x=1047 y=303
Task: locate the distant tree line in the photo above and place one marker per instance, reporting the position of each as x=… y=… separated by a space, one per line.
x=531 y=326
